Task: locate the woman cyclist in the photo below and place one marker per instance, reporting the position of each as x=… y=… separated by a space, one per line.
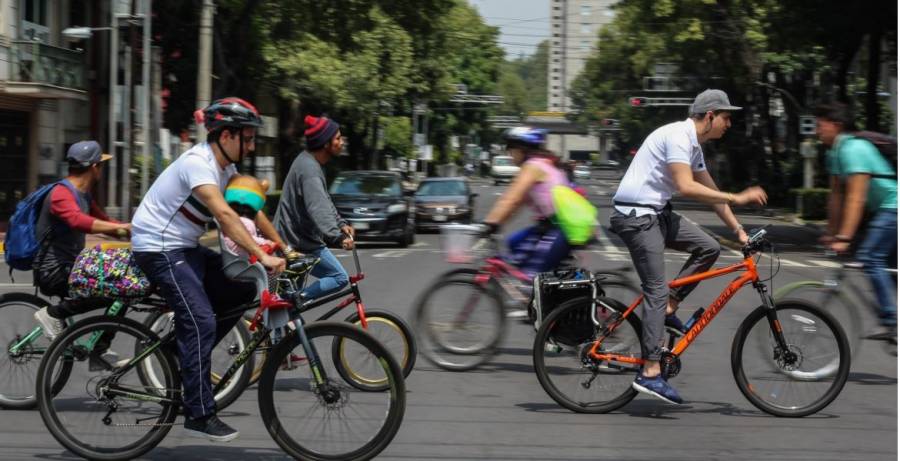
x=541 y=246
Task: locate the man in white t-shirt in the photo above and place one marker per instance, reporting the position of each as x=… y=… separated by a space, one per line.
x=167 y=228
x=671 y=161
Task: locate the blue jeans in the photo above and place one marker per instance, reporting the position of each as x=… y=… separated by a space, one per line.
x=876 y=247
x=537 y=249
x=329 y=272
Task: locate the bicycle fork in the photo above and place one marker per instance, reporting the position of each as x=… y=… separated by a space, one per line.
x=781 y=344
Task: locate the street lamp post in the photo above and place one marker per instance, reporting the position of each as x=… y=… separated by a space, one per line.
x=82 y=33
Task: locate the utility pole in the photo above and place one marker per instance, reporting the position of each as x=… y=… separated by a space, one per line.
x=145 y=114
x=112 y=172
x=204 y=61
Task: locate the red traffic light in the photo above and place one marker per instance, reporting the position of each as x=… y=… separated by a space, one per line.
x=638 y=101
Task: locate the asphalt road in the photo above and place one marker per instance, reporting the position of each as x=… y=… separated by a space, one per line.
x=500 y=412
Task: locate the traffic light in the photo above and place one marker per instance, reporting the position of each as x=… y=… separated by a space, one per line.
x=638 y=101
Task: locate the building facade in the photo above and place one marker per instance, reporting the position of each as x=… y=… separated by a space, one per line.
x=45 y=93
x=574 y=25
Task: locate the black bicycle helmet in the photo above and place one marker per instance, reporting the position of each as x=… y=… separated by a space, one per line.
x=228 y=112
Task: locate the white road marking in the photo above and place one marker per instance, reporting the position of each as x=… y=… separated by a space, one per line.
x=829 y=264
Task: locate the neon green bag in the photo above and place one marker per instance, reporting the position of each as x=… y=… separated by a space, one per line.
x=574 y=214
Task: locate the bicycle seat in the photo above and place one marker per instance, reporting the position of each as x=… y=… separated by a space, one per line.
x=302 y=263
x=240 y=269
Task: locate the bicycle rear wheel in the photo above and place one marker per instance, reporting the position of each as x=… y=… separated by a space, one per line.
x=571 y=378
x=393 y=333
x=460 y=322
x=790 y=382
x=104 y=411
x=331 y=420
x=24 y=345
x=222 y=357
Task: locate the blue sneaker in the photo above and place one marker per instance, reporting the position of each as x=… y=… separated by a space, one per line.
x=657 y=387
x=673 y=322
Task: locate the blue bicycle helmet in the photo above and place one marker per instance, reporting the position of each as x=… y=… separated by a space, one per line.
x=534 y=138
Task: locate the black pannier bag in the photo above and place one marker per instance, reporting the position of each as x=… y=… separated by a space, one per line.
x=551 y=289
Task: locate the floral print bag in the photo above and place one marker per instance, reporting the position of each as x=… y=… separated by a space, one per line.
x=107 y=273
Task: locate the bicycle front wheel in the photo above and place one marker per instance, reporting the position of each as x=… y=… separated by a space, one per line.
x=563 y=367
x=788 y=381
x=393 y=333
x=460 y=322
x=312 y=413
x=24 y=344
x=104 y=411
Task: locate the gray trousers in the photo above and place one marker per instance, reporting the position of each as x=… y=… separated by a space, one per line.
x=647 y=237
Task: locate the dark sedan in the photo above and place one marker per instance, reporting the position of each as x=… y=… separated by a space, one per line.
x=374 y=204
x=442 y=200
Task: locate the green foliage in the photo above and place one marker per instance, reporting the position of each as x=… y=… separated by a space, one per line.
x=398 y=136
x=523 y=82
x=775 y=58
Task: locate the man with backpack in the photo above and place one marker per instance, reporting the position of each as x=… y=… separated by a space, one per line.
x=67 y=213
x=862 y=179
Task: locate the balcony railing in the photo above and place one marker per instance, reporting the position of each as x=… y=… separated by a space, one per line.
x=37 y=62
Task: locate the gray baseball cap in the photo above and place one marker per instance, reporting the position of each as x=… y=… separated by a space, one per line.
x=86 y=153
x=711 y=100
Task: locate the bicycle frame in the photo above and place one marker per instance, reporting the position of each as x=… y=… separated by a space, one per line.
x=352 y=291
x=750 y=276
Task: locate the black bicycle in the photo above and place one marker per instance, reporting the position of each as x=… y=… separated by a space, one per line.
x=111 y=411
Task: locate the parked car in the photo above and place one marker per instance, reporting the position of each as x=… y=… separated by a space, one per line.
x=442 y=200
x=503 y=169
x=582 y=172
x=373 y=203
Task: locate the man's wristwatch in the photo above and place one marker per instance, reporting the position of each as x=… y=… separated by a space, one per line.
x=738 y=229
x=843 y=238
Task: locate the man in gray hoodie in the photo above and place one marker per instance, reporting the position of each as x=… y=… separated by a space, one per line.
x=306 y=218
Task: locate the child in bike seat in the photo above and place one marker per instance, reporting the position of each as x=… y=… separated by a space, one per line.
x=246 y=195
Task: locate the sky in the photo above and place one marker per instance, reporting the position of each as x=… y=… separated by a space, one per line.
x=523 y=23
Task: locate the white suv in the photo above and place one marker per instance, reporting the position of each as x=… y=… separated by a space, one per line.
x=503 y=169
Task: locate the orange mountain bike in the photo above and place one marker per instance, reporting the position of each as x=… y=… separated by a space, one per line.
x=586 y=354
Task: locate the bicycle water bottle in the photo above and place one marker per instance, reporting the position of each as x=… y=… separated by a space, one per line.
x=691 y=321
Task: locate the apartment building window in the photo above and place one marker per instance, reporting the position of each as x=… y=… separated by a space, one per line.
x=555 y=87
x=555 y=25
x=36 y=11
x=556 y=35
x=585 y=27
x=609 y=13
x=585 y=10
x=556 y=60
x=557 y=7
x=585 y=45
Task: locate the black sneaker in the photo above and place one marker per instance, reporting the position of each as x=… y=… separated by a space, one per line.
x=211 y=428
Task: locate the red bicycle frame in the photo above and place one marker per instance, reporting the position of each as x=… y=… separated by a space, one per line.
x=750 y=276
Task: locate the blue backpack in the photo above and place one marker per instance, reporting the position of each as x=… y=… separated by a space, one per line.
x=21 y=243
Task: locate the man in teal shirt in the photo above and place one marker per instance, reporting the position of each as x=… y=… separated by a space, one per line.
x=861 y=178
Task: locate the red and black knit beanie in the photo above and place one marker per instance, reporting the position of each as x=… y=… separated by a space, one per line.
x=319 y=131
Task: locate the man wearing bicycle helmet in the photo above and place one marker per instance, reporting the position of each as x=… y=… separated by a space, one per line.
x=671 y=161
x=168 y=224
x=542 y=246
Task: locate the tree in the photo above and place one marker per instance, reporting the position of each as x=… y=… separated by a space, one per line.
x=770 y=56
